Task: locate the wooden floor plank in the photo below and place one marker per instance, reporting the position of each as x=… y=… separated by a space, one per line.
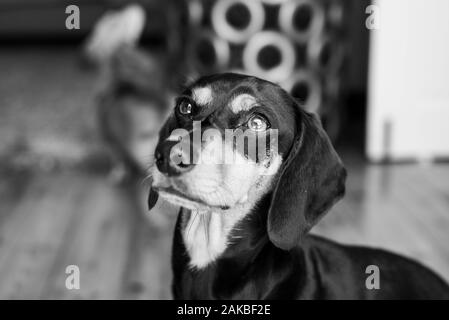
x=98 y=246
x=149 y=270
x=31 y=237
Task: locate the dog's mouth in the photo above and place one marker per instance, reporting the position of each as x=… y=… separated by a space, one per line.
x=172 y=191
x=180 y=198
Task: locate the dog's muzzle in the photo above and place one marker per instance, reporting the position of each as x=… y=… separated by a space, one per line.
x=172 y=159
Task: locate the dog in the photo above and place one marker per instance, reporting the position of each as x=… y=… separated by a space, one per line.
x=129 y=118
x=242 y=230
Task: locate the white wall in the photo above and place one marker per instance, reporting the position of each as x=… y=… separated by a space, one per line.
x=409 y=80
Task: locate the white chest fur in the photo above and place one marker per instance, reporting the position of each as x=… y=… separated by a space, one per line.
x=207 y=234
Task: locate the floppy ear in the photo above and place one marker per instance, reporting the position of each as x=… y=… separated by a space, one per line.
x=311 y=180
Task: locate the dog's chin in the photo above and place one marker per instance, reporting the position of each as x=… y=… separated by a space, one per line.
x=180 y=199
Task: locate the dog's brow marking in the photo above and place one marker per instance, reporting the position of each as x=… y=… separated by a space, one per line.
x=243 y=102
x=202 y=96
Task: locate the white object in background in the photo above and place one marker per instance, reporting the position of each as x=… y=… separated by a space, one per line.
x=286 y=19
x=408 y=101
x=265 y=39
x=229 y=32
x=114 y=30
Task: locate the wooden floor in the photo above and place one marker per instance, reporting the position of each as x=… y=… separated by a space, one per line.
x=403 y=208
x=50 y=221
x=77 y=219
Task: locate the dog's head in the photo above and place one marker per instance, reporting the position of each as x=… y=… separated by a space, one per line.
x=232 y=139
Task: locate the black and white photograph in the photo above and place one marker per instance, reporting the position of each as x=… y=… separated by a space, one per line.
x=224 y=150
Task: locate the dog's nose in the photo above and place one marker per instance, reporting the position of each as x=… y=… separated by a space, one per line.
x=172 y=159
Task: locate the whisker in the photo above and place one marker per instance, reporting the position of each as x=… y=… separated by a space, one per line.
x=144 y=180
x=206 y=233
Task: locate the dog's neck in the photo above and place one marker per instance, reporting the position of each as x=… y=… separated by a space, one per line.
x=207 y=234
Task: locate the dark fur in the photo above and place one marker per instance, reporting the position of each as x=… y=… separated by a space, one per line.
x=275 y=258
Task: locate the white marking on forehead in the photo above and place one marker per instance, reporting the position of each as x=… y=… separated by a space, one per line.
x=202 y=96
x=243 y=102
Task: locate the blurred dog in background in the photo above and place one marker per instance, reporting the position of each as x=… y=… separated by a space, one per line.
x=133 y=95
x=131 y=109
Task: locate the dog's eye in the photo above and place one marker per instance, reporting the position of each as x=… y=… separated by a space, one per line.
x=185 y=108
x=258 y=123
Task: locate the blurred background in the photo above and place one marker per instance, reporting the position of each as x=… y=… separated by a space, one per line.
x=85 y=86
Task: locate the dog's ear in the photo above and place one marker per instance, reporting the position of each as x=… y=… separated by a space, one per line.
x=152 y=198
x=311 y=180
